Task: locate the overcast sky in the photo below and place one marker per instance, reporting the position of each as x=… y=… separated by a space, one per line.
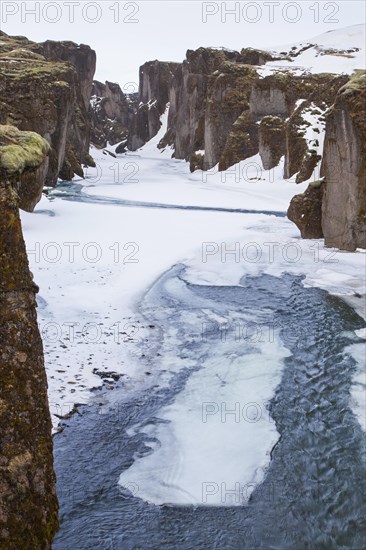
x=126 y=34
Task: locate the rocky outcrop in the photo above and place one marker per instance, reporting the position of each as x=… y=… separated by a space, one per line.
x=112 y=112
x=155 y=80
x=310 y=98
x=305 y=211
x=81 y=56
x=28 y=502
x=337 y=208
x=271 y=140
x=344 y=168
x=44 y=88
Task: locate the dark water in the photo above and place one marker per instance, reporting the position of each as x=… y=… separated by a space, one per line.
x=313 y=495
x=73 y=192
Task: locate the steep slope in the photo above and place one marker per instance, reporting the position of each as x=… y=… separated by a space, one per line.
x=219 y=97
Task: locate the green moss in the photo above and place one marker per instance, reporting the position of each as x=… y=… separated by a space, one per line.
x=271 y=122
x=253 y=56
x=20 y=150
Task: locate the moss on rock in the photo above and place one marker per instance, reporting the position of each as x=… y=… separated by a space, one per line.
x=20 y=150
x=28 y=502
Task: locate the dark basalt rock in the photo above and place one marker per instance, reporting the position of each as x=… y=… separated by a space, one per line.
x=112 y=112
x=337 y=209
x=155 y=80
x=45 y=88
x=305 y=211
x=271 y=141
x=28 y=502
x=344 y=168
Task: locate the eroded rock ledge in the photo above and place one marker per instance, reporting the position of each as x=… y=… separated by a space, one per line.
x=28 y=502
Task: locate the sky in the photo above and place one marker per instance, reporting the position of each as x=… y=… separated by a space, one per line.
x=126 y=34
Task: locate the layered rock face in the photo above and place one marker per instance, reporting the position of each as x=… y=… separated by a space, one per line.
x=344 y=168
x=271 y=140
x=45 y=88
x=337 y=208
x=155 y=80
x=28 y=502
x=112 y=112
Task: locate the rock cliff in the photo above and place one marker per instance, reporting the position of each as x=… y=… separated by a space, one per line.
x=112 y=112
x=344 y=168
x=28 y=502
x=45 y=88
x=222 y=110
x=337 y=208
x=155 y=78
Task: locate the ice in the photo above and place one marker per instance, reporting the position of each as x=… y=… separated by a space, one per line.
x=358 y=388
x=215 y=438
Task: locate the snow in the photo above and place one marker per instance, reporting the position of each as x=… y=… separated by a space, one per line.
x=215 y=438
x=320 y=58
x=98 y=294
x=315 y=128
x=95 y=261
x=150 y=175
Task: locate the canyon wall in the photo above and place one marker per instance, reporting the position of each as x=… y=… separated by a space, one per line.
x=222 y=110
x=46 y=88
x=334 y=207
x=112 y=113
x=28 y=502
x=344 y=168
x=155 y=78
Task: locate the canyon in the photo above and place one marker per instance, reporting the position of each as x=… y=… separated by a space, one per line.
x=221 y=108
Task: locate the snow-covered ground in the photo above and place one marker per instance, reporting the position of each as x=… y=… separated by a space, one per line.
x=337 y=51
x=93 y=262
x=149 y=175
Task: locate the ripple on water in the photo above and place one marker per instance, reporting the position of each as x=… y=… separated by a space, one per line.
x=312 y=495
